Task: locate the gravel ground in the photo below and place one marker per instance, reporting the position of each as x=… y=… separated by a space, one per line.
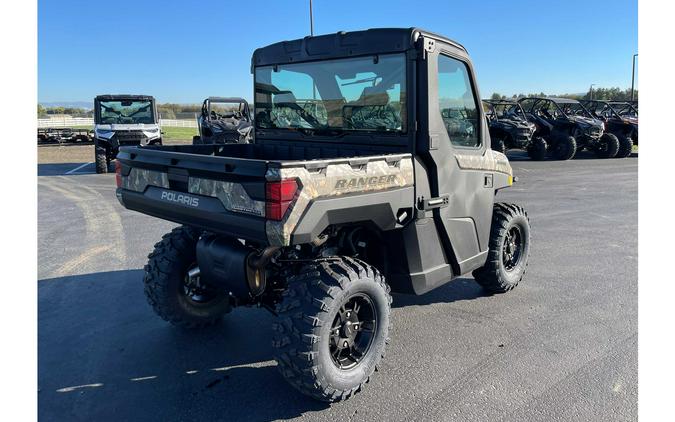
x=561 y=346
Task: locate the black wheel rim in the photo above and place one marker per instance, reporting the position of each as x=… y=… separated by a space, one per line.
x=194 y=291
x=353 y=331
x=512 y=250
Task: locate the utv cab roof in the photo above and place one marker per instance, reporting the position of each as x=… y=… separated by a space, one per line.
x=344 y=44
x=500 y=101
x=134 y=97
x=225 y=100
x=554 y=99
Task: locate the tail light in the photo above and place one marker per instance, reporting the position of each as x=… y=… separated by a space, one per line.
x=278 y=197
x=118 y=173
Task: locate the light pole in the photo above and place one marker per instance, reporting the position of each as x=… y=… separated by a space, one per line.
x=592 y=85
x=632 y=80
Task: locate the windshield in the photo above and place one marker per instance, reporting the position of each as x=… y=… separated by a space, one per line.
x=355 y=94
x=506 y=111
x=625 y=110
x=125 y=112
x=574 y=109
x=223 y=110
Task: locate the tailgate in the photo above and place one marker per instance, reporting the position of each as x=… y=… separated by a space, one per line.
x=219 y=194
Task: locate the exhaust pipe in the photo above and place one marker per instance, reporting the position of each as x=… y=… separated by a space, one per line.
x=228 y=265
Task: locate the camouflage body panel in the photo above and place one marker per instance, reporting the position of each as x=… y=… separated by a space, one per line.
x=232 y=195
x=138 y=179
x=490 y=161
x=335 y=179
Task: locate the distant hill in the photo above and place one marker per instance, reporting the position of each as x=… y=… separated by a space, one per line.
x=88 y=105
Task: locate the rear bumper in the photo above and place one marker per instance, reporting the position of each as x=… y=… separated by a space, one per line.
x=203 y=212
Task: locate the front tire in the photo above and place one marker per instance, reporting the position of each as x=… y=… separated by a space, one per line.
x=509 y=249
x=332 y=328
x=499 y=145
x=625 y=146
x=173 y=294
x=101 y=155
x=537 y=149
x=565 y=148
x=608 y=146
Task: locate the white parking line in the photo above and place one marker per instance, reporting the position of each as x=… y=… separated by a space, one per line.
x=78 y=167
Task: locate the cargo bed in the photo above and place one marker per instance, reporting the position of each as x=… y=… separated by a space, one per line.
x=261 y=192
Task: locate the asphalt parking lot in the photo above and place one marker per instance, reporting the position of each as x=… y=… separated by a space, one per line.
x=561 y=346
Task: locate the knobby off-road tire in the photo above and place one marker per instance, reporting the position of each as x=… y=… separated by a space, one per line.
x=499 y=145
x=165 y=283
x=505 y=266
x=564 y=148
x=537 y=149
x=625 y=146
x=101 y=159
x=608 y=146
x=318 y=300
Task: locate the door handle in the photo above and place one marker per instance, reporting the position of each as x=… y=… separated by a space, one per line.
x=431 y=203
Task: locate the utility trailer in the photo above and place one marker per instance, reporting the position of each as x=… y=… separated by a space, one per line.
x=63 y=135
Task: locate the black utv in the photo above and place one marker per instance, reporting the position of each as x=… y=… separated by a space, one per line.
x=370 y=172
x=567 y=126
x=510 y=129
x=224 y=120
x=624 y=127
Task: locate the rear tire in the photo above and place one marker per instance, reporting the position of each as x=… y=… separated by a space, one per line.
x=312 y=338
x=101 y=156
x=499 y=145
x=509 y=249
x=608 y=146
x=537 y=149
x=167 y=285
x=625 y=146
x=565 y=148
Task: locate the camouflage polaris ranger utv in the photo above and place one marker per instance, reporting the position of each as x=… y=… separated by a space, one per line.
x=369 y=190
x=510 y=129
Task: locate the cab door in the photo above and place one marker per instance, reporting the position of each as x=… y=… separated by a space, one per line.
x=458 y=147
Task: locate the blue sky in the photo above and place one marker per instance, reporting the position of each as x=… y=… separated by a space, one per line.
x=182 y=51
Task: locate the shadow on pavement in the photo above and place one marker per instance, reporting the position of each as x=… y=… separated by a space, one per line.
x=61 y=169
x=454 y=291
x=519 y=155
x=103 y=354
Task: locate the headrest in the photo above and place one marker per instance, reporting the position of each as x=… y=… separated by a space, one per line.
x=372 y=96
x=284 y=98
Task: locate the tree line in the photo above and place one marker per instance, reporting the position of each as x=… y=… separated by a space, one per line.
x=45 y=112
x=608 y=94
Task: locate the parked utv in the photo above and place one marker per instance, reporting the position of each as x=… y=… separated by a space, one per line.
x=568 y=127
x=628 y=111
x=123 y=120
x=224 y=121
x=372 y=189
x=510 y=129
x=625 y=128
